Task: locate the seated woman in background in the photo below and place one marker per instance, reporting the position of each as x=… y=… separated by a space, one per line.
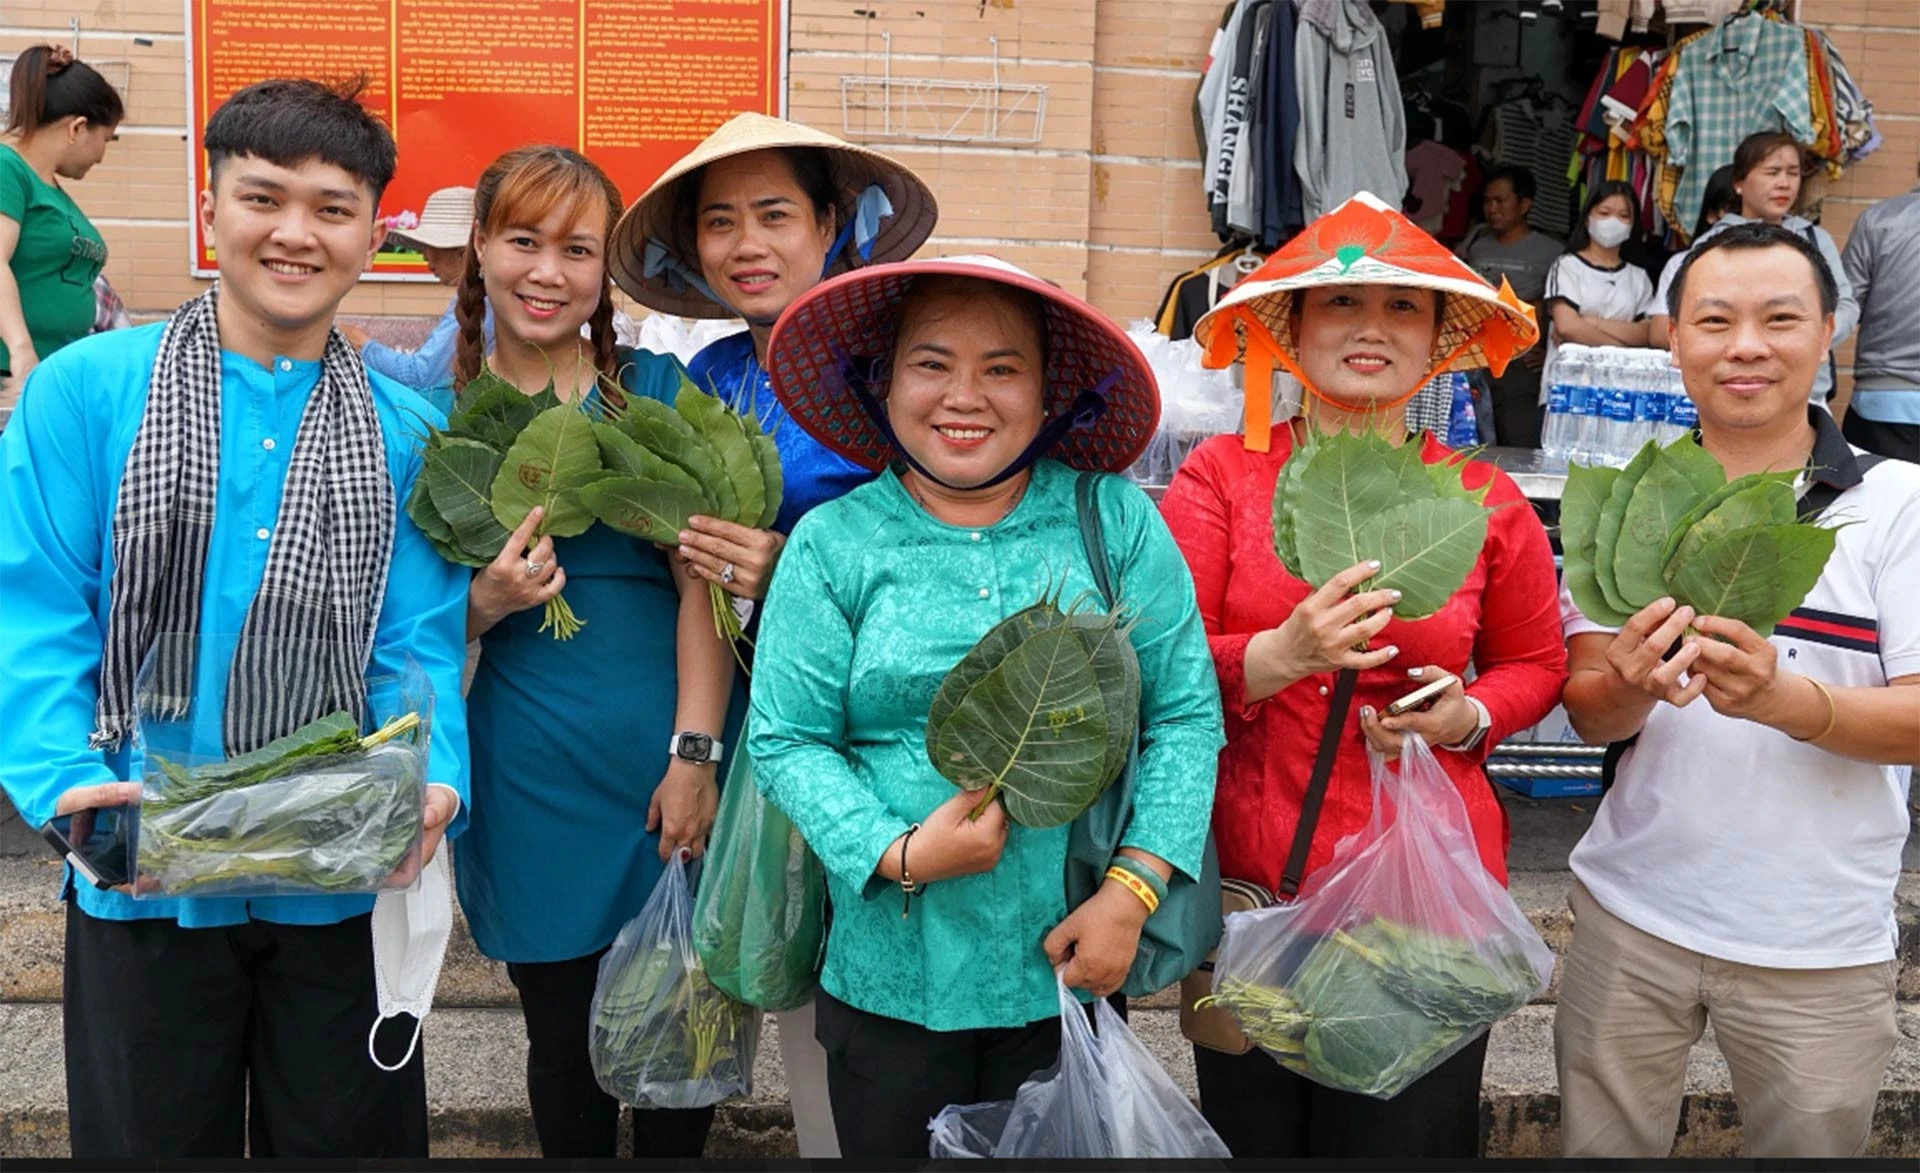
x=1594 y=296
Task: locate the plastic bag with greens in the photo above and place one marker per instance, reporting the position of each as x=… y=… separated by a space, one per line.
x=333 y=807
x=759 y=919
x=1398 y=953
x=661 y=1034
x=1106 y=1098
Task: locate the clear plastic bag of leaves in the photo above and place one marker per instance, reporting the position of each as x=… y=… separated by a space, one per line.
x=1106 y=1098
x=333 y=807
x=661 y=1034
x=760 y=917
x=1396 y=954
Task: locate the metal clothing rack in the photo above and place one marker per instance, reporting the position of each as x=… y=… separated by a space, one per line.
x=941 y=109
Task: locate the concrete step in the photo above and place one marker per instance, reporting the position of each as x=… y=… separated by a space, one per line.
x=477 y=1092
x=31 y=935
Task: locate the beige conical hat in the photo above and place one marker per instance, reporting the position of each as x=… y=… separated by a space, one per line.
x=855 y=169
x=445 y=222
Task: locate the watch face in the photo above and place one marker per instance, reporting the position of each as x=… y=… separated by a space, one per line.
x=695 y=747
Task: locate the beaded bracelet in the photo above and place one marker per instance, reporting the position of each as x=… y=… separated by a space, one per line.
x=1143 y=873
x=1133 y=884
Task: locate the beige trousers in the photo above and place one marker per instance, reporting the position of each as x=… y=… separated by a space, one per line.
x=1806 y=1047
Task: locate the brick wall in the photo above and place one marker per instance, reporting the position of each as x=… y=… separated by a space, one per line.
x=1107 y=201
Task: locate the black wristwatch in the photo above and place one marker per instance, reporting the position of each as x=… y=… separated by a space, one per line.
x=696 y=748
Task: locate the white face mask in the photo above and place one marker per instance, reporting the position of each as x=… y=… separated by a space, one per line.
x=1608 y=232
x=411 y=928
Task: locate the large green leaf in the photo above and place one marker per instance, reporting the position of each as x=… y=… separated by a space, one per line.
x=725 y=438
x=1032 y=726
x=1117 y=669
x=1712 y=500
x=1349 y=481
x=438 y=533
x=1286 y=489
x=624 y=456
x=642 y=508
x=552 y=457
x=666 y=433
x=1762 y=503
x=1581 y=500
x=1612 y=516
x=1426 y=550
x=1757 y=575
x=767 y=455
x=1660 y=499
x=459 y=476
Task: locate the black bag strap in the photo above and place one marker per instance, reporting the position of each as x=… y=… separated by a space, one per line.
x=1342 y=700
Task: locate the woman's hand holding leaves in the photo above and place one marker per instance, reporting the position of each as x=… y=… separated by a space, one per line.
x=949 y=843
x=504 y=586
x=1330 y=629
x=710 y=545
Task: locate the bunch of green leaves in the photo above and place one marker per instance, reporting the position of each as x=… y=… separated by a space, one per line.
x=1671 y=524
x=666 y=464
x=1348 y=497
x=665 y=1036
x=321 y=808
x=1372 y=1008
x=1042 y=711
x=501 y=455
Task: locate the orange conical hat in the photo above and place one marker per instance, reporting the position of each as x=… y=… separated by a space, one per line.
x=1362 y=242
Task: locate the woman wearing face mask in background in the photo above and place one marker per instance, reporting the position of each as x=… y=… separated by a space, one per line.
x=1594 y=296
x=578 y=801
x=746 y=223
x=1766 y=175
x=61 y=115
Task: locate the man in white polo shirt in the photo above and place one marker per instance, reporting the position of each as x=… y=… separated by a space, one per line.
x=1741 y=868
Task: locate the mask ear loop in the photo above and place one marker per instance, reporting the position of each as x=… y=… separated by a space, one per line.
x=412 y=1045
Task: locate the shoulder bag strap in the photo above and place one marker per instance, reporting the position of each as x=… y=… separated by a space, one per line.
x=1341 y=702
x=1092 y=534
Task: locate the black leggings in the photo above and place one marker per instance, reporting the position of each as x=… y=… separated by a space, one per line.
x=1260 y=1109
x=571 y=1115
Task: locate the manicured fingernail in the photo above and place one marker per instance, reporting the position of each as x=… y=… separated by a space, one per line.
x=1393 y=649
x=1366 y=711
x=1415 y=672
x=1374 y=564
x=1396 y=594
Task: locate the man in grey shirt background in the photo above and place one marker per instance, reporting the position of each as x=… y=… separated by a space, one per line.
x=1506 y=247
x=1882 y=260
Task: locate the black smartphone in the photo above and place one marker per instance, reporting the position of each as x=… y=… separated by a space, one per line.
x=94 y=842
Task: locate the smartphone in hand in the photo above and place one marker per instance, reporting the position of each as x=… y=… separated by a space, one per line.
x=95 y=842
x=1420 y=697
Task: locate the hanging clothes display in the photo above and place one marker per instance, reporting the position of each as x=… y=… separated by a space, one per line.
x=1247 y=115
x=1193 y=293
x=1442 y=184
x=1352 y=122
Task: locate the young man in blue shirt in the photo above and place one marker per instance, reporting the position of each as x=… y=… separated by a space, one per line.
x=222 y=496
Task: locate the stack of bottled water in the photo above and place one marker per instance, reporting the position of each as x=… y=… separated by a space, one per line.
x=1605 y=402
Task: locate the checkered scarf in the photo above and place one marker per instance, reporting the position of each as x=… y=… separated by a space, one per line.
x=303 y=649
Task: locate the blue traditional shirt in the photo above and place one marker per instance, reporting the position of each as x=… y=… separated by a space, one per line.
x=813 y=472
x=61 y=459
x=428 y=370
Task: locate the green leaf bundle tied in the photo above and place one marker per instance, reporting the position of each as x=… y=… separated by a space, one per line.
x=1043 y=712
x=1349 y=497
x=1670 y=524
x=321 y=808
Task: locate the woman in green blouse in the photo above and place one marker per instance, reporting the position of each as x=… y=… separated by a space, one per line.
x=61 y=115
x=984 y=388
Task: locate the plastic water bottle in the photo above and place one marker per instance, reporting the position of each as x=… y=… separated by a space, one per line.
x=1463 y=427
x=1556 y=432
x=1617 y=409
x=1682 y=418
x=1649 y=404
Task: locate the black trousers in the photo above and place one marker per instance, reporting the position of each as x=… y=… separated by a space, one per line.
x=1260 y=1109
x=887 y=1078
x=185 y=1043
x=1518 y=414
x=1898 y=441
x=571 y=1115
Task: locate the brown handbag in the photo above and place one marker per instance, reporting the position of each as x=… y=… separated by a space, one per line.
x=1213 y=1027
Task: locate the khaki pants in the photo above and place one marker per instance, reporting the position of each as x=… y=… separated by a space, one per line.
x=1806 y=1047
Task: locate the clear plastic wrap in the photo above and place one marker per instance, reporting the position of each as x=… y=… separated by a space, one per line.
x=1106 y=1098
x=1195 y=403
x=1398 y=953
x=661 y=1034
x=759 y=919
x=334 y=807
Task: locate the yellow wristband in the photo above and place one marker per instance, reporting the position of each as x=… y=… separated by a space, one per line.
x=1133 y=884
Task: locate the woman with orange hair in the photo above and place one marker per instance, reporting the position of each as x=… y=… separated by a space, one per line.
x=1363 y=308
x=572 y=819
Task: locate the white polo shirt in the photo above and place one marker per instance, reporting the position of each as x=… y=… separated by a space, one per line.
x=1732 y=839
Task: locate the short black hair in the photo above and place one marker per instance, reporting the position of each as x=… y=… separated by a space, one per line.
x=1520 y=177
x=287 y=121
x=1756 y=234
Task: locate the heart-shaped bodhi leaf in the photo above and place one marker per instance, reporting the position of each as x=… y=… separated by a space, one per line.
x=1764 y=503
x=626 y=457
x=1660 y=499
x=1712 y=501
x=1023 y=717
x=553 y=457
x=1349 y=480
x=1116 y=667
x=1757 y=575
x=459 y=475
x=1426 y=550
x=732 y=452
x=1585 y=493
x=638 y=507
x=1612 y=515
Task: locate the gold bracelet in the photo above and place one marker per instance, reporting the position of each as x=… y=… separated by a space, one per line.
x=1833 y=714
x=1133 y=884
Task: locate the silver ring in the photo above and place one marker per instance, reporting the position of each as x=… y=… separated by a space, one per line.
x=726 y=573
x=534 y=568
